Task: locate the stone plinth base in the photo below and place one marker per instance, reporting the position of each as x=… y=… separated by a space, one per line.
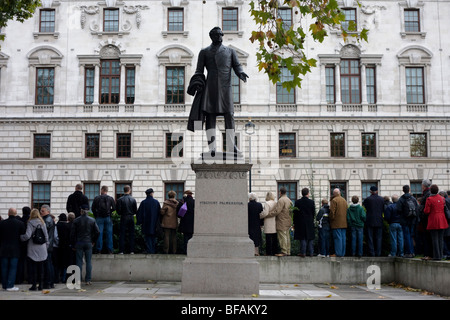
x=220 y=255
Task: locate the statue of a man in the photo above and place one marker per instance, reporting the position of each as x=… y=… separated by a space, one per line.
x=217 y=97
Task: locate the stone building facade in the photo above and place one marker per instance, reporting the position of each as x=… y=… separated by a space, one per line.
x=94 y=92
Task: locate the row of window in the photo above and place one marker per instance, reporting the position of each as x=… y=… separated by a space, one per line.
x=41 y=191
x=230 y=21
x=351 y=82
x=287 y=145
x=110 y=75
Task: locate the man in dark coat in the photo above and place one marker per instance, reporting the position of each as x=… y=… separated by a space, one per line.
x=76 y=200
x=254 y=221
x=148 y=216
x=10 y=231
x=374 y=205
x=217 y=98
x=304 y=223
x=186 y=226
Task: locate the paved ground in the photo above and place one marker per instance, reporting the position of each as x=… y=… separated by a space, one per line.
x=172 y=291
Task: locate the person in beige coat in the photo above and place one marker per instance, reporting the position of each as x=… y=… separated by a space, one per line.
x=338 y=222
x=169 y=223
x=283 y=222
x=270 y=229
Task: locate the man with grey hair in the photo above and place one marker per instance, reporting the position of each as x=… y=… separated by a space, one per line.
x=423 y=234
x=48 y=264
x=338 y=222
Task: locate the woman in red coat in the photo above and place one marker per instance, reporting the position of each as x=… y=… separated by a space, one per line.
x=437 y=222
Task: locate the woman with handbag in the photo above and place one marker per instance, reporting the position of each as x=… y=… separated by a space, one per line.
x=36 y=252
x=437 y=222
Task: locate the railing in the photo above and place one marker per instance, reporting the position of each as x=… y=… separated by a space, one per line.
x=174 y=108
x=43 y=108
x=286 y=108
x=352 y=108
x=416 y=108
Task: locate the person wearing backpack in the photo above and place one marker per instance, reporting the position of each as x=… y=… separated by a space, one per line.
x=36 y=252
x=408 y=206
x=102 y=208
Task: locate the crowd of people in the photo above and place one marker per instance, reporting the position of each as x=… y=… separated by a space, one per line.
x=38 y=247
x=413 y=224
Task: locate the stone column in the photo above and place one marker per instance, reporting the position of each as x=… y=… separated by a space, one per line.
x=220 y=255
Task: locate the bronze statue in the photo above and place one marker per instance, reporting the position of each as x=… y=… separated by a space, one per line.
x=213 y=95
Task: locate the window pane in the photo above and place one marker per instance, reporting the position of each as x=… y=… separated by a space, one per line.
x=368 y=146
x=412 y=23
x=230 y=19
x=342 y=186
x=291 y=188
x=44 y=85
x=91 y=190
x=287 y=145
x=178 y=187
x=41 y=146
x=174 y=145
x=350 y=81
x=47 y=23
x=92 y=145
x=330 y=85
x=414 y=85
x=365 y=186
x=283 y=95
x=285 y=14
x=418 y=144
x=370 y=85
x=175 y=85
x=111 y=20
x=110 y=82
x=124 y=145
x=175 y=21
x=40 y=194
x=337 y=144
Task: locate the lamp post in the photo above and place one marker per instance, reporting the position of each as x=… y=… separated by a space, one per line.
x=250 y=129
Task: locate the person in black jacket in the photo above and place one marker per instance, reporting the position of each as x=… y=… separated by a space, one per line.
x=254 y=221
x=84 y=232
x=187 y=222
x=126 y=207
x=102 y=207
x=10 y=231
x=303 y=219
x=407 y=205
x=396 y=221
x=64 y=248
x=20 y=276
x=374 y=205
x=324 y=229
x=75 y=200
x=148 y=215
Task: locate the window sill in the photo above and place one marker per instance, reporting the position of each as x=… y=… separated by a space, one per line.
x=237 y=33
x=110 y=33
x=184 y=34
x=413 y=35
x=37 y=35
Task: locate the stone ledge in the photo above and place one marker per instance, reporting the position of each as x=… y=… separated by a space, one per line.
x=432 y=276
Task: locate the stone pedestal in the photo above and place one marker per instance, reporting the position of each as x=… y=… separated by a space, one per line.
x=220 y=256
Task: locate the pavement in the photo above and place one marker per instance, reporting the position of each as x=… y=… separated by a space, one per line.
x=151 y=290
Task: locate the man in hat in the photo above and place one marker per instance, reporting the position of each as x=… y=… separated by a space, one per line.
x=83 y=233
x=374 y=205
x=148 y=216
x=187 y=222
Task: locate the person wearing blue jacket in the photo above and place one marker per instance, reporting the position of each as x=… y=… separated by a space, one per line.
x=394 y=217
x=148 y=216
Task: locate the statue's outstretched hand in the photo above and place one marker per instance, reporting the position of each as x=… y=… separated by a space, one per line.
x=243 y=76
